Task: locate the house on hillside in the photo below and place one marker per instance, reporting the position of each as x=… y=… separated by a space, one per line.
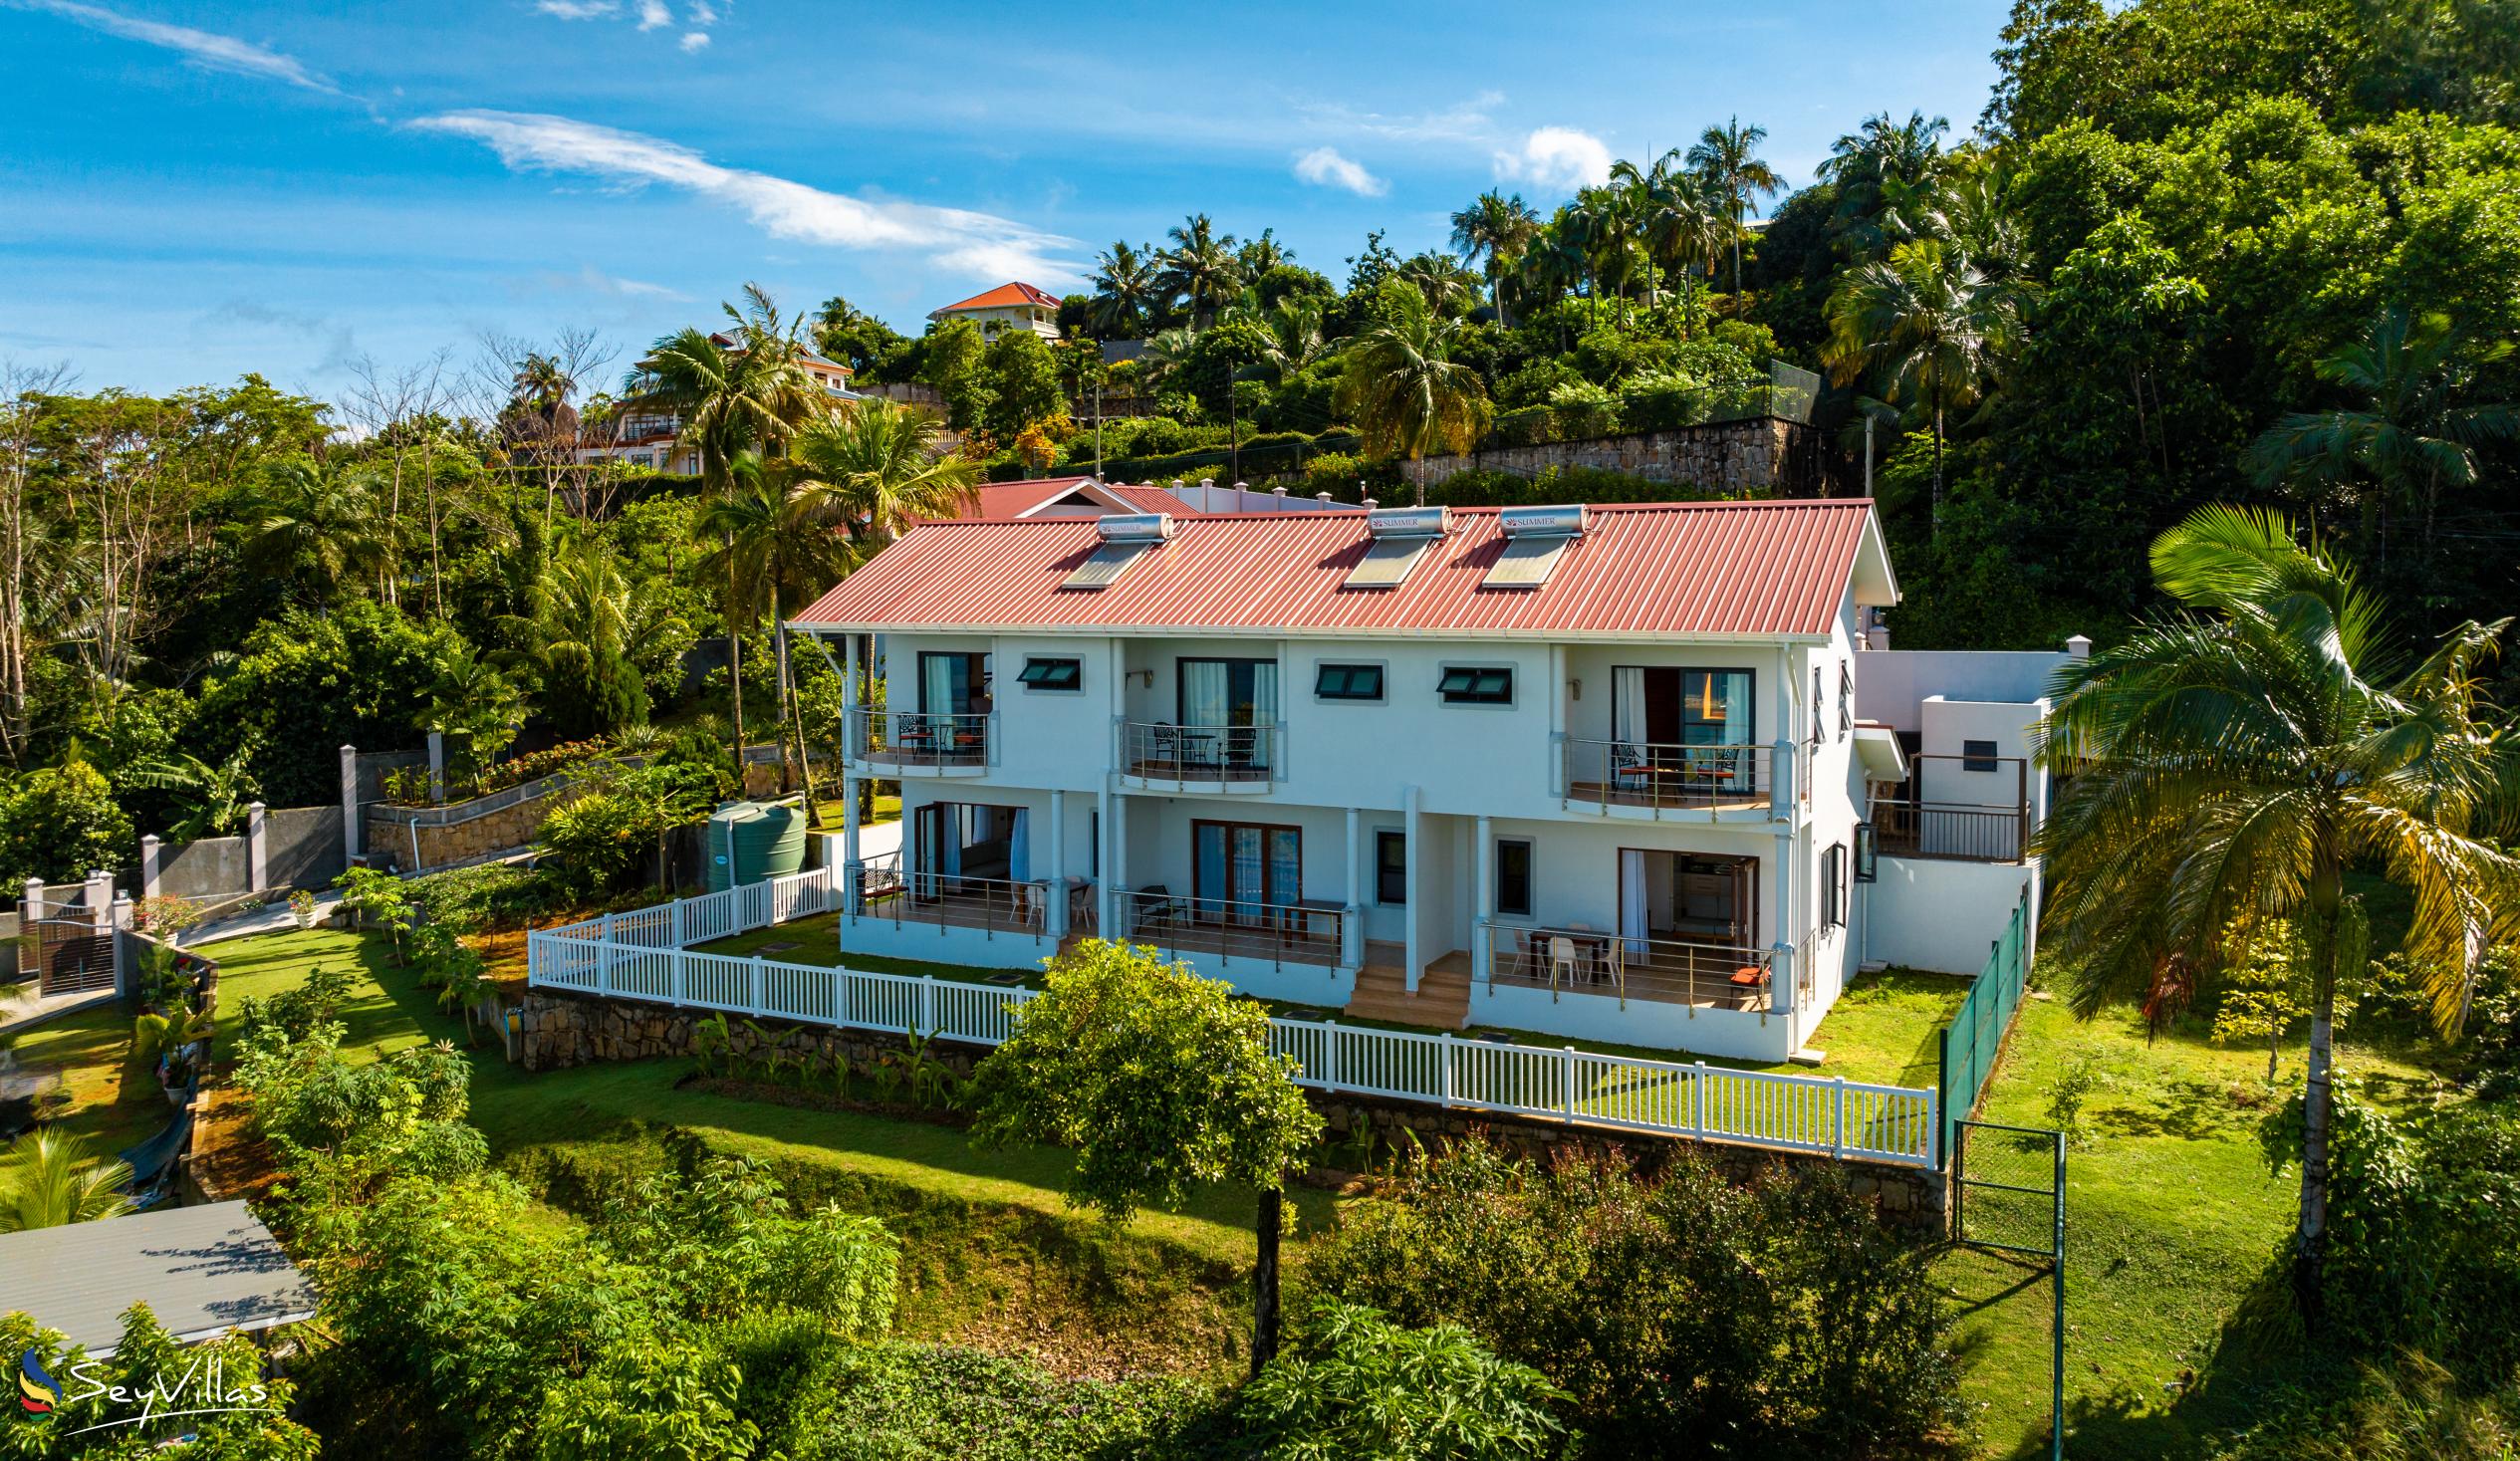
x=1090 y=497
x=646 y=439
x=1014 y=305
x=1633 y=773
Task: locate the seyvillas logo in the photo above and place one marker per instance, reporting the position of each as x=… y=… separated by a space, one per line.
x=38 y=1392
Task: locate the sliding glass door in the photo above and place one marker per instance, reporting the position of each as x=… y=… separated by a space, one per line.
x=1229 y=710
x=1241 y=870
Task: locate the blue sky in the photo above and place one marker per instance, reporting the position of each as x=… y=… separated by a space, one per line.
x=191 y=190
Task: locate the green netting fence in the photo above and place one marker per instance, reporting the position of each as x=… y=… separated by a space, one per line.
x=1976 y=1032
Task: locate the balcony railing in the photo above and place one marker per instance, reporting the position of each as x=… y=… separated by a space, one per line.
x=883 y=890
x=1593 y=962
x=1668 y=777
x=1309 y=932
x=1963 y=833
x=917 y=738
x=1183 y=754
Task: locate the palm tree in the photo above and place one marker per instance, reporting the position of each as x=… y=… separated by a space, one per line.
x=472 y=703
x=1406 y=393
x=2412 y=435
x=213 y=798
x=1297 y=337
x=879 y=469
x=1263 y=254
x=748 y=393
x=1880 y=158
x=1200 y=269
x=1675 y=216
x=1600 y=223
x=579 y=638
x=1727 y=160
x=58 y=1184
x=318 y=526
x=1448 y=289
x=784 y=545
x=1551 y=265
x=1165 y=352
x=1928 y=322
x=1126 y=295
x=2232 y=760
x=1491 y=235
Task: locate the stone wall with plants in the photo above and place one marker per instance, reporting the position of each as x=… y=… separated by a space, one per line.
x=1727 y=458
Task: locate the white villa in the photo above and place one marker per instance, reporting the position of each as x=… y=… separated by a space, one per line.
x=1646 y=774
x=648 y=440
x=1013 y=306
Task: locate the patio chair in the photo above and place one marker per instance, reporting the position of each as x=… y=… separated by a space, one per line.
x=1157 y=906
x=1628 y=768
x=1561 y=956
x=1526 y=956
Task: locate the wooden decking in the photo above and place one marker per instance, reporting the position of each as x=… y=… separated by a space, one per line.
x=1689 y=798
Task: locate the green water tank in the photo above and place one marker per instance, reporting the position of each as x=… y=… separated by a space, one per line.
x=751 y=841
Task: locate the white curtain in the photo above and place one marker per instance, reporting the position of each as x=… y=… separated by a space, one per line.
x=1627 y=704
x=937 y=688
x=1019 y=848
x=1631 y=900
x=1264 y=710
x=1203 y=692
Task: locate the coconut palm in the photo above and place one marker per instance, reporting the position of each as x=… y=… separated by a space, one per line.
x=2232 y=762
x=748 y=393
x=1406 y=393
x=780 y=534
x=1490 y=235
x=1882 y=158
x=1125 y=294
x=472 y=703
x=1200 y=269
x=876 y=470
x=576 y=642
x=1552 y=264
x=1928 y=324
x=1297 y=335
x=1675 y=216
x=56 y=1183
x=1262 y=254
x=1602 y=225
x=1727 y=160
x=2412 y=434
x=1448 y=288
x=317 y=527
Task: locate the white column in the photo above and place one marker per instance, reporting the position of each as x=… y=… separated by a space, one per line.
x=1484 y=862
x=257 y=847
x=1352 y=931
x=850 y=788
x=1415 y=894
x=1105 y=901
x=100 y=900
x=1117 y=867
x=436 y=766
x=148 y=865
x=126 y=968
x=350 y=801
x=1055 y=899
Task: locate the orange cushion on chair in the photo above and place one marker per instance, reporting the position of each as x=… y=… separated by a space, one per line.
x=1746 y=976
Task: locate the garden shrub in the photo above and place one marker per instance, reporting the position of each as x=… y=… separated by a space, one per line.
x=1532 y=425
x=1580 y=410
x=477 y=900
x=1783 y=1319
x=1352 y=1383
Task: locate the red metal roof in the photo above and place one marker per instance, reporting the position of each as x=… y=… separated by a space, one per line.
x=1718 y=570
x=1004 y=297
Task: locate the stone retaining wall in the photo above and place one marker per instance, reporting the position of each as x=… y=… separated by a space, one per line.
x=557 y=1031
x=1729 y=457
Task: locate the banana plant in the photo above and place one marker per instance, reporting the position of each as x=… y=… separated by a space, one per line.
x=709 y=1038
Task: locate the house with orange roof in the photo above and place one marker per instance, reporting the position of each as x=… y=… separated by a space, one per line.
x=1011 y=306
x=646 y=439
x=1646 y=774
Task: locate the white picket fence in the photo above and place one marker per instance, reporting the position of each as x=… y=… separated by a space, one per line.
x=641 y=955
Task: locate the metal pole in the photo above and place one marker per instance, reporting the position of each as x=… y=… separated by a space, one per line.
x=1233 y=424
x=1097 y=430
x=1868 y=453
x=2056 y=1365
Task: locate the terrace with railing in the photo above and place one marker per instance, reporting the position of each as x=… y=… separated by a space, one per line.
x=640 y=956
x=1922 y=819
x=1590 y=961
x=918 y=740
x=1659 y=778
x=1309 y=932
x=1156 y=753
x=882 y=889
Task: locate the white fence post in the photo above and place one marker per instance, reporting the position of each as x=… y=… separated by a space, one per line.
x=1569 y=1093
x=1329 y=1054
x=603 y=966
x=1698 y=1104
x=1443 y=1052
x=753 y=971
x=676 y=916
x=1837 y=1116
x=681 y=977
x=927 y=1003
x=257 y=847
x=839 y=997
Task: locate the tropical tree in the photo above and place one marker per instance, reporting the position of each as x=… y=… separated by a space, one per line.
x=577 y=640
x=1928 y=325
x=1448 y=289
x=751 y=392
x=1490 y=235
x=1602 y=224
x=1675 y=216
x=1402 y=388
x=879 y=468
x=2413 y=431
x=2232 y=760
x=1125 y=292
x=1200 y=269
x=1158 y=1078
x=211 y=798
x=57 y=1184
x=472 y=703
x=1882 y=160
x=318 y=526
x=1727 y=159
x=1260 y=255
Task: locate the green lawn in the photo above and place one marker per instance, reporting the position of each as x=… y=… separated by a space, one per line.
x=2172 y=1219
x=87 y=1056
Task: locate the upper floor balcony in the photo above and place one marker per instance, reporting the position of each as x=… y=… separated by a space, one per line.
x=1217 y=756
x=1655 y=782
x=1966 y=808
x=920 y=743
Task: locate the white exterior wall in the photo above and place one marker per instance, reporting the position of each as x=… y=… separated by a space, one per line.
x=1938 y=914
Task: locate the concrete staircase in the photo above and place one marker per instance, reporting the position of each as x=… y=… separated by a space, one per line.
x=1443 y=1000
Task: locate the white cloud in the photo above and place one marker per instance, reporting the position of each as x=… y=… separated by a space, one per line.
x=205 y=49
x=702 y=12
x=1557 y=157
x=1328 y=167
x=580 y=9
x=1463 y=121
x=653 y=13
x=695 y=41
x=959 y=239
